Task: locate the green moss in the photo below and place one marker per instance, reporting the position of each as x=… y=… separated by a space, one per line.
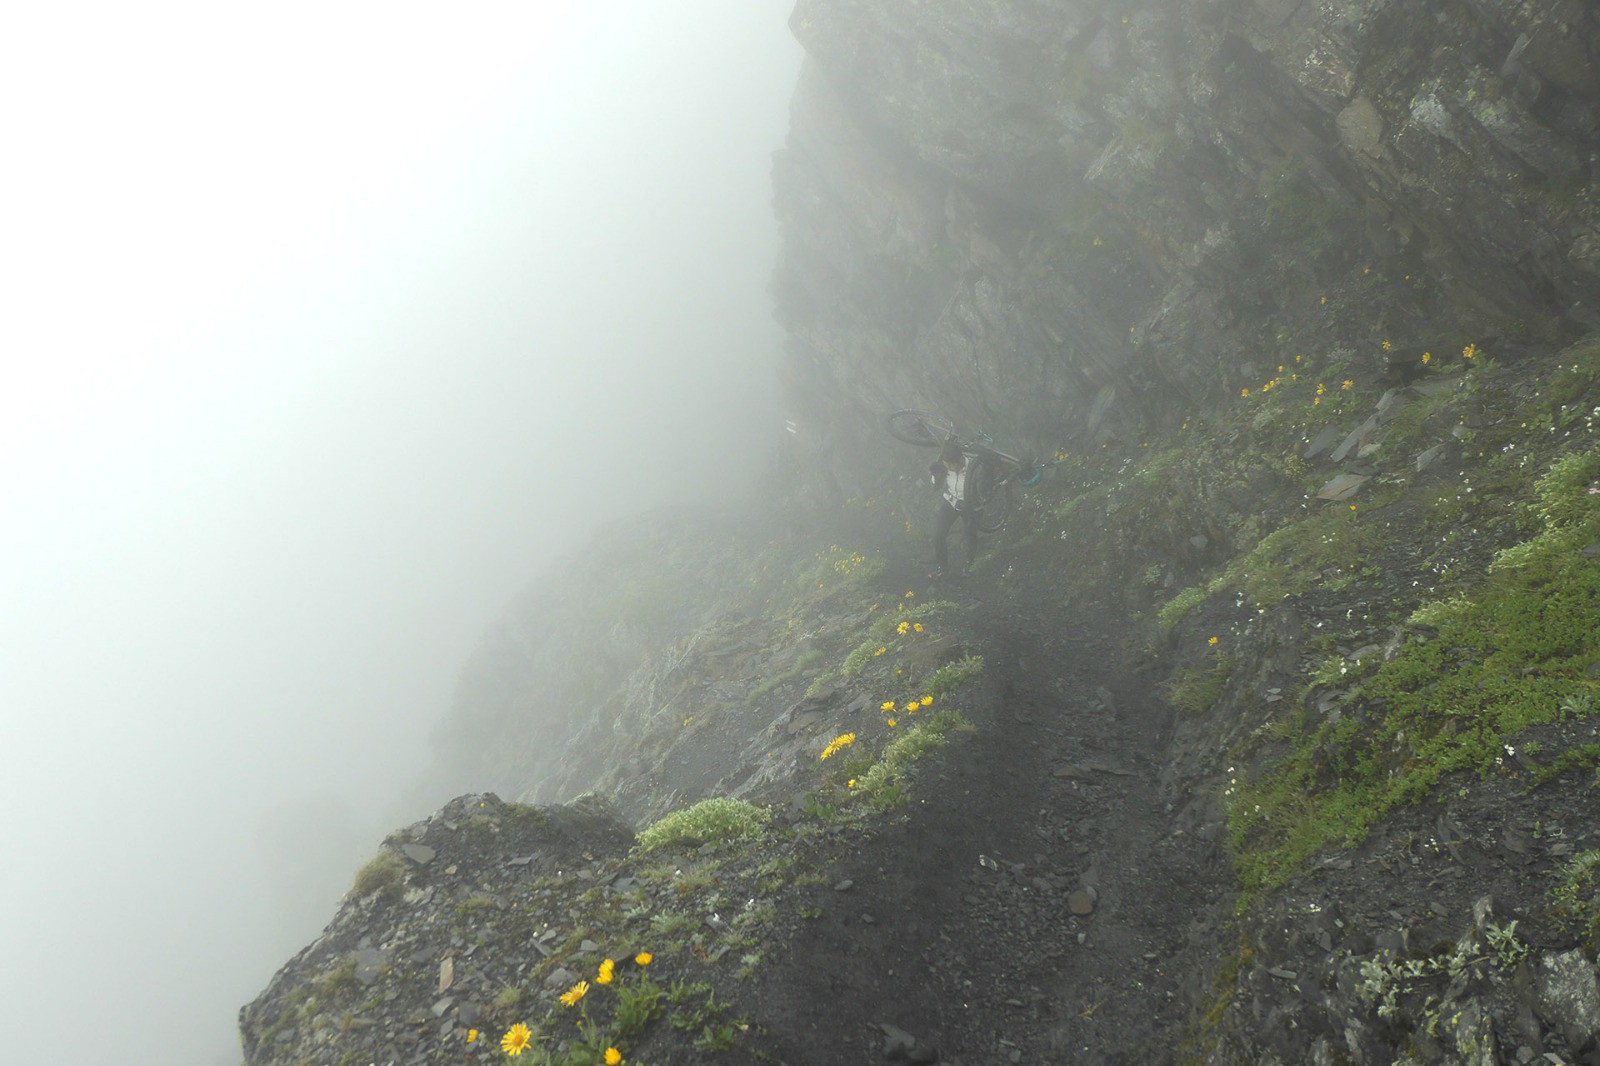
x=715 y=819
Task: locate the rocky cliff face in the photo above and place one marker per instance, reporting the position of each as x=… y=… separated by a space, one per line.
x=1265 y=731
x=1067 y=220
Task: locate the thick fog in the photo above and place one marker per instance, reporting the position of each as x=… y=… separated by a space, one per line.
x=326 y=327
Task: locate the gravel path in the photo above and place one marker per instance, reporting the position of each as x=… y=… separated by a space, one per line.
x=964 y=928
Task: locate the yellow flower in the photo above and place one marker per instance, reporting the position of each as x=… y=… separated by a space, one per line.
x=886 y=705
x=1469 y=351
x=472 y=1034
x=517 y=1038
x=571 y=996
x=1387 y=345
x=1212 y=641
x=1324 y=299
x=850 y=783
x=1347 y=384
x=913 y=705
x=917 y=627
x=910 y=595
x=644 y=958
x=1321 y=388
x=1280 y=368
x=1316 y=400
x=1244 y=392
x=1297 y=358
x=1427 y=357
x=927 y=700
x=606 y=972
x=880 y=651
x=891 y=723
x=613 y=1057
x=838 y=742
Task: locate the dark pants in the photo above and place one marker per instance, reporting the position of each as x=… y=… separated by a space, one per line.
x=943 y=520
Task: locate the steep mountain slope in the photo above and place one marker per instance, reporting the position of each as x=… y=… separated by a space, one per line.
x=1267 y=730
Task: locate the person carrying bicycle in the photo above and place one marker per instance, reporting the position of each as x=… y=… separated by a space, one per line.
x=949 y=474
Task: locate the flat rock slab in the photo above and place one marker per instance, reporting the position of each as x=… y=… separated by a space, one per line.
x=1089 y=769
x=1342 y=487
x=420 y=854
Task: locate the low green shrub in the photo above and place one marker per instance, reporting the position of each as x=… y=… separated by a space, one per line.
x=715 y=819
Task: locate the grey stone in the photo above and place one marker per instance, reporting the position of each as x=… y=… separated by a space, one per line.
x=420 y=854
x=804 y=721
x=1361 y=127
x=560 y=977
x=1569 y=996
x=1198 y=542
x=447 y=974
x=1353 y=441
x=1322 y=443
x=1342 y=487
x=844 y=886
x=1427 y=458
x=1389 y=404
x=897 y=1043
x=369 y=963
x=1081 y=902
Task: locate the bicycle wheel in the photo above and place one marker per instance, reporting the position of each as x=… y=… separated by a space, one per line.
x=922 y=428
x=991 y=493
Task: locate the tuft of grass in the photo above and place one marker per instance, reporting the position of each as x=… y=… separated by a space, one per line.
x=383 y=873
x=710 y=820
x=1173 y=610
x=952 y=676
x=884 y=781
x=1194 y=692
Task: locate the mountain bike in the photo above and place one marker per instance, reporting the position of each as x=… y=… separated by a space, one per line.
x=992 y=485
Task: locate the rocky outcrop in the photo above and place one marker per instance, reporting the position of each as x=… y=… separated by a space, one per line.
x=1067 y=221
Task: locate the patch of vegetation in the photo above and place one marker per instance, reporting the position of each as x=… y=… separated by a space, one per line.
x=884 y=780
x=798 y=667
x=1576 y=897
x=385 y=872
x=952 y=676
x=1515 y=656
x=693 y=1008
x=715 y=819
x=1173 y=610
x=1194 y=692
x=509 y=998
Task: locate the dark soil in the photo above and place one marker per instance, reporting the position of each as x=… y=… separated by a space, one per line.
x=958 y=926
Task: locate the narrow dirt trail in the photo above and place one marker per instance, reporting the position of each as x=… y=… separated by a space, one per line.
x=959 y=927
